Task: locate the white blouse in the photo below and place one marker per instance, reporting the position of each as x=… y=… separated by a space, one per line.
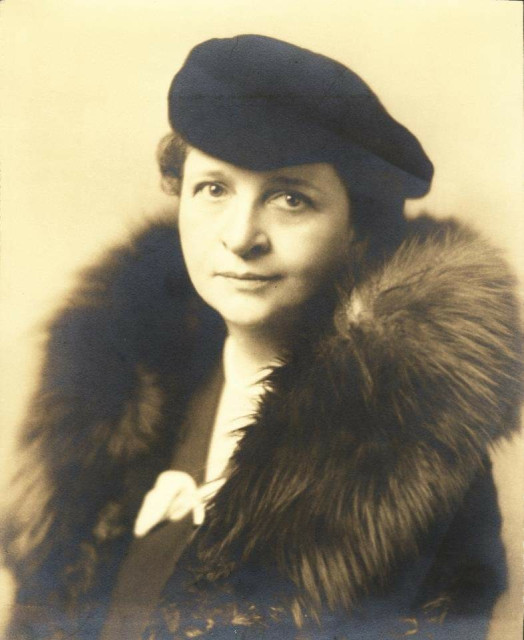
x=175 y=493
x=237 y=404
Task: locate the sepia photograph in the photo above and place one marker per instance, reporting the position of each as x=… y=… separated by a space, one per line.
x=261 y=320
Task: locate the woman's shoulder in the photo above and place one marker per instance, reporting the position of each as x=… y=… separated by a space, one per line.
x=114 y=351
x=442 y=315
x=143 y=264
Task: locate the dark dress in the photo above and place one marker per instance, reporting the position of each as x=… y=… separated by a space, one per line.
x=252 y=603
x=150 y=561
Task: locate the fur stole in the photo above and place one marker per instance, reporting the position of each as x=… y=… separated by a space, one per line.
x=372 y=429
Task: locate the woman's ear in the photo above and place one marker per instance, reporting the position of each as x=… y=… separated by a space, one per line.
x=171 y=155
x=171 y=185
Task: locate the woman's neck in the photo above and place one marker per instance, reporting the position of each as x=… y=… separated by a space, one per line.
x=253 y=351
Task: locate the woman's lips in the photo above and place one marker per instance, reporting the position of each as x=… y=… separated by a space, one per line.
x=248 y=280
x=247 y=276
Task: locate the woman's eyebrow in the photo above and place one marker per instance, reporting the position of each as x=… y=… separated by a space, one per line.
x=211 y=174
x=288 y=181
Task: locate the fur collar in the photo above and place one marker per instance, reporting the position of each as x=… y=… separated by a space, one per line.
x=371 y=430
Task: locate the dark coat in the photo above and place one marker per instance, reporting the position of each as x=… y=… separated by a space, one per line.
x=361 y=494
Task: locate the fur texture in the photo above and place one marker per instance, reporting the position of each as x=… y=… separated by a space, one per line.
x=395 y=406
x=369 y=433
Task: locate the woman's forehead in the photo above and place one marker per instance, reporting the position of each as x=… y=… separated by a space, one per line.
x=199 y=164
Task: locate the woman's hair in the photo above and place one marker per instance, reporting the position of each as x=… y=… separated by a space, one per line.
x=377 y=205
x=171 y=155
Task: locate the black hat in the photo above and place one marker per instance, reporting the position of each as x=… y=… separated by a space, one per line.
x=261 y=104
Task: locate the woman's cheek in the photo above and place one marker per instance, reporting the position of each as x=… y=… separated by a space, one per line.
x=314 y=259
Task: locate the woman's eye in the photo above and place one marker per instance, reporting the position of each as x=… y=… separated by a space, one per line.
x=210 y=190
x=292 y=201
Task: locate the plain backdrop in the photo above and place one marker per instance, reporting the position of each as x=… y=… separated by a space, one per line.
x=83 y=93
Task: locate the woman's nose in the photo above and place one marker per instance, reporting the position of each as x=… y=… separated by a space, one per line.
x=243 y=231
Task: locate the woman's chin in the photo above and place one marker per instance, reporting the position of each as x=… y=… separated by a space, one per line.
x=255 y=317
x=248 y=321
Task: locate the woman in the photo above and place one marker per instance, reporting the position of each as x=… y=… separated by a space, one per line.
x=278 y=428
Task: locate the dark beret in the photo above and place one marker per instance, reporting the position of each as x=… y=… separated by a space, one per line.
x=260 y=103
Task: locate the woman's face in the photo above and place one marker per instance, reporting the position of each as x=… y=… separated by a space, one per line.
x=259 y=244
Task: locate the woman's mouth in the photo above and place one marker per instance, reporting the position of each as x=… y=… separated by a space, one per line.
x=247 y=276
x=248 y=280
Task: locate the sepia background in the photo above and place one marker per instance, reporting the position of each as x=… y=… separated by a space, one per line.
x=83 y=91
